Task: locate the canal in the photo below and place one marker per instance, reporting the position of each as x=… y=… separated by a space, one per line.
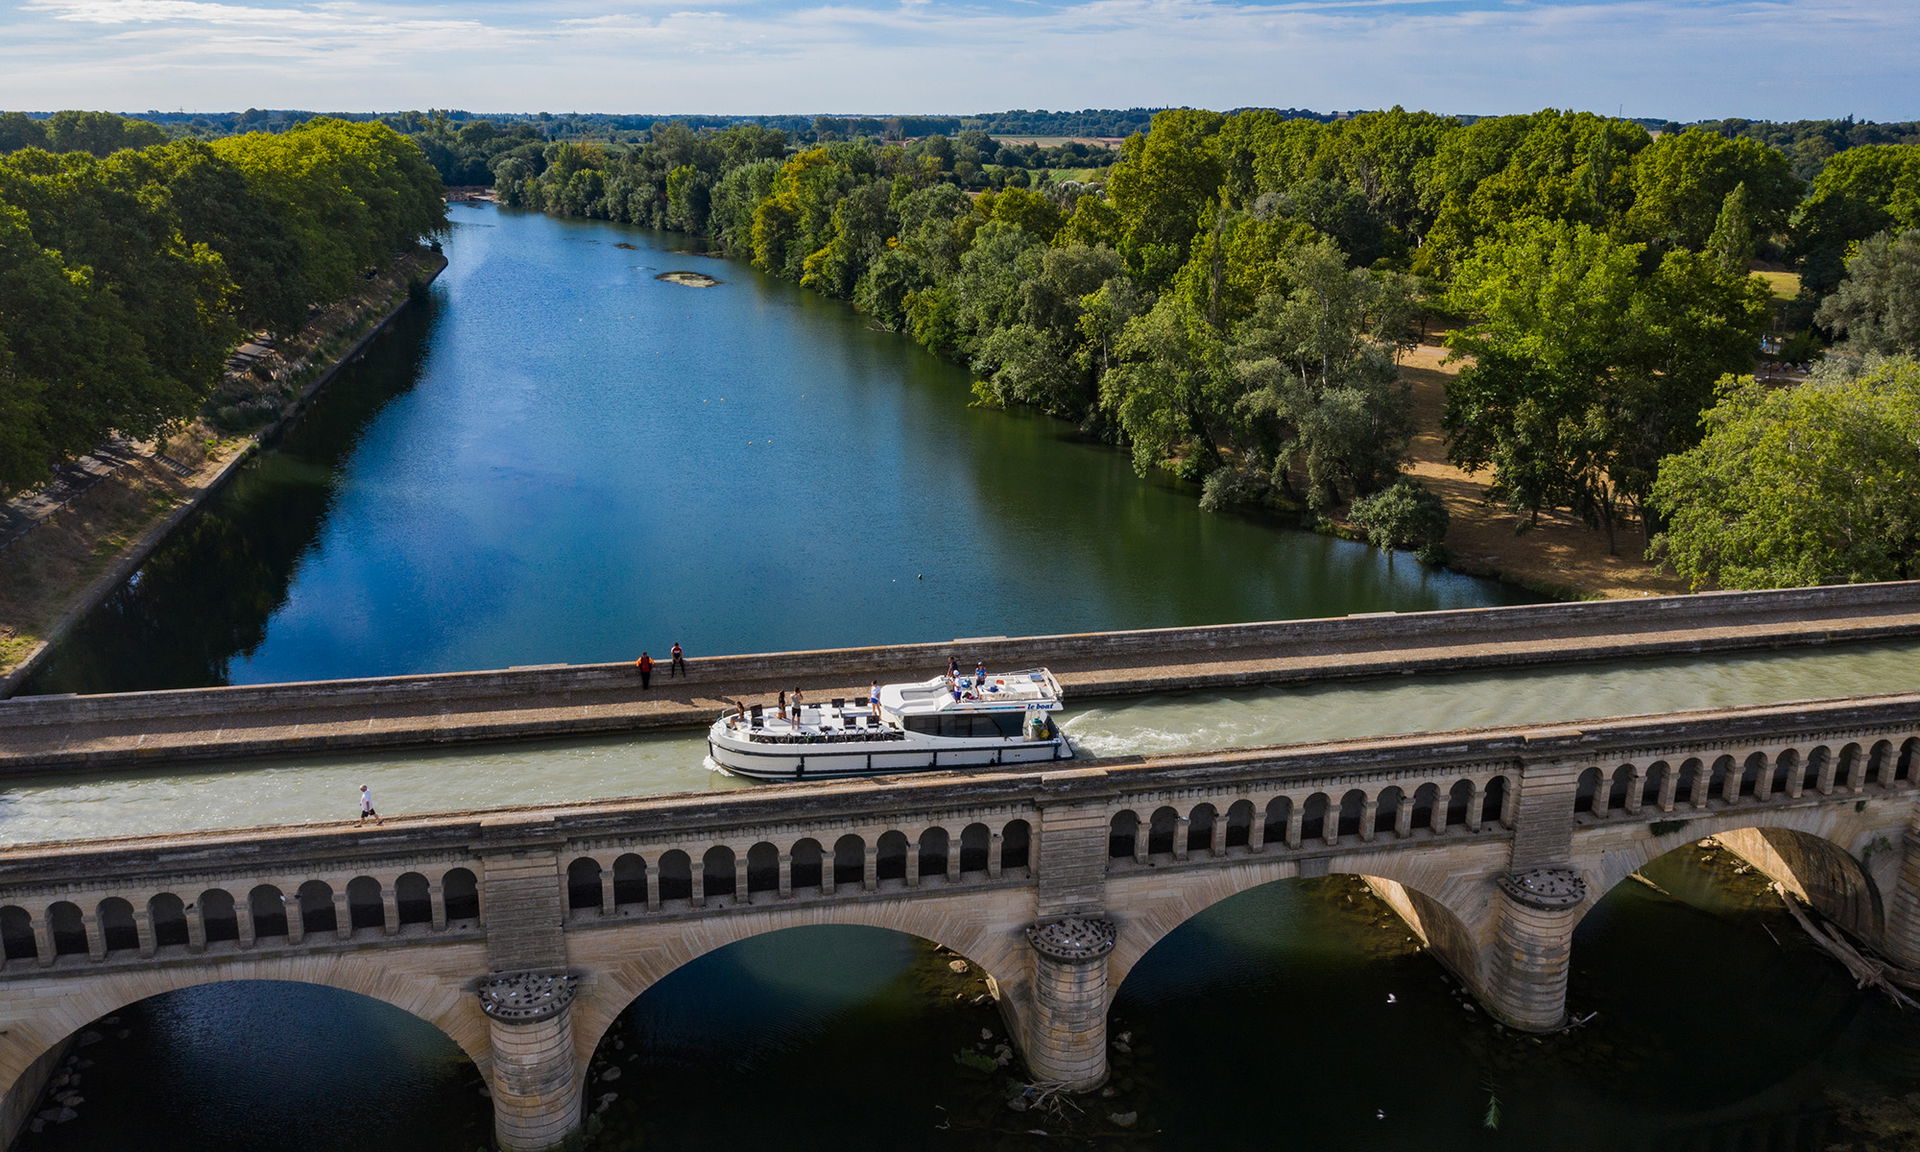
x=562 y=458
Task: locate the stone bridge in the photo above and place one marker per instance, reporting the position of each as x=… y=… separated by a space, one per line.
x=523 y=935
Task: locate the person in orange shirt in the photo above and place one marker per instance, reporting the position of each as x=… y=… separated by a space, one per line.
x=645 y=664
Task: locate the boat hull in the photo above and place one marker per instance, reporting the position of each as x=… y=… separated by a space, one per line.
x=830 y=759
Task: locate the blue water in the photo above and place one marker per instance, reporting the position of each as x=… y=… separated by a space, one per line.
x=563 y=459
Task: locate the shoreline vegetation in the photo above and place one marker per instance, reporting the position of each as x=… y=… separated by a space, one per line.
x=71 y=560
x=1231 y=298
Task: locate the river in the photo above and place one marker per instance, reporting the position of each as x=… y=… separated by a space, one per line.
x=562 y=458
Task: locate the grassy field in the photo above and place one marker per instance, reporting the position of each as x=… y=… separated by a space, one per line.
x=1785 y=285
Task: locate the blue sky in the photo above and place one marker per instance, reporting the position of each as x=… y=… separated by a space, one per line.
x=1685 y=59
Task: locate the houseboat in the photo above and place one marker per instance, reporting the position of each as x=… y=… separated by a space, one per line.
x=943 y=723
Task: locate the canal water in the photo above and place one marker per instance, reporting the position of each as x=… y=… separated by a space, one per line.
x=302 y=789
x=561 y=458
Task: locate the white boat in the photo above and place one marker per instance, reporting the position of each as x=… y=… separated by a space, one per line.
x=1002 y=719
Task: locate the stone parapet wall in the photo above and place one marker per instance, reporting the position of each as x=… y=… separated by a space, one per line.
x=1586 y=625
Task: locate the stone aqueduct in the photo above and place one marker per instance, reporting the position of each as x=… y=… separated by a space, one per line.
x=523 y=935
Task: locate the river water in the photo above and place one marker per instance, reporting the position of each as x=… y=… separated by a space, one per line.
x=561 y=458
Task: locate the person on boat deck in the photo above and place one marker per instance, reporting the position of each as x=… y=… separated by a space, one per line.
x=873 y=699
x=980 y=676
x=797 y=701
x=953 y=667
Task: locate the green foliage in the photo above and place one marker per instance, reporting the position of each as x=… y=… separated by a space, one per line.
x=1402 y=515
x=1877 y=308
x=126 y=278
x=1859 y=193
x=1586 y=369
x=1818 y=484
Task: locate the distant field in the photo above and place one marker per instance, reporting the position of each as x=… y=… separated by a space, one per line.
x=1083 y=175
x=1785 y=285
x=1056 y=141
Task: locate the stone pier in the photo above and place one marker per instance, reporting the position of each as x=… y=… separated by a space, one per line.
x=530 y=1022
x=1067 y=1038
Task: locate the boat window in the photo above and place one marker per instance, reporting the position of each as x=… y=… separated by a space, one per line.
x=964 y=726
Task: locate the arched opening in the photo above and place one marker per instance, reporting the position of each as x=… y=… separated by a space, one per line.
x=1848 y=774
x=1326 y=965
x=1721 y=780
x=412 y=899
x=1751 y=773
x=890 y=858
x=1880 y=763
x=221 y=1065
x=717 y=872
x=807 y=869
x=169 y=915
x=771 y=1011
x=16 y=934
x=1655 y=784
x=676 y=876
x=1200 y=829
x=1239 y=824
x=1786 y=777
x=269 y=909
x=116 y=925
x=1313 y=818
x=218 y=919
x=629 y=881
x=1427 y=812
x=366 y=905
x=1818 y=762
x=316 y=907
x=849 y=861
x=1459 y=802
x=1691 y=789
x=934 y=846
x=1493 y=806
x=1619 y=789
x=1279 y=811
x=975 y=843
x=1161 y=831
x=67 y=928
x=763 y=869
x=1706 y=906
x=1016 y=847
x=1353 y=807
x=1587 y=791
x=461 y=891
x=583 y=885
x=1386 y=813
x=1903 y=771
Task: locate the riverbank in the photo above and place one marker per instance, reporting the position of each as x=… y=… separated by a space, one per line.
x=1557 y=556
x=78 y=554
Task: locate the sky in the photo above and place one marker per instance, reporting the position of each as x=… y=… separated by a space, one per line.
x=1673 y=59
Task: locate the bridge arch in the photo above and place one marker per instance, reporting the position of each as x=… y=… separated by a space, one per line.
x=625 y=960
x=44 y=1011
x=1453 y=918
x=1822 y=872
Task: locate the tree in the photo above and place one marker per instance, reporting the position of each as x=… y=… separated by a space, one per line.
x=1877 y=307
x=1818 y=484
x=1315 y=364
x=1585 y=369
x=1681 y=184
x=1402 y=515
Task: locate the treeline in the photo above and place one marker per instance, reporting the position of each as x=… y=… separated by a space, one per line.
x=126 y=279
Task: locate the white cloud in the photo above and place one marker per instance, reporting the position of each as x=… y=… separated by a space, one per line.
x=1683 y=58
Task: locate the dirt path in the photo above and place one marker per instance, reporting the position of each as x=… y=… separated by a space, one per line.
x=1560 y=556
x=74 y=555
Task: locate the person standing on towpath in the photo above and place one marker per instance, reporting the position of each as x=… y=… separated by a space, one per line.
x=645 y=664
x=366 y=806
